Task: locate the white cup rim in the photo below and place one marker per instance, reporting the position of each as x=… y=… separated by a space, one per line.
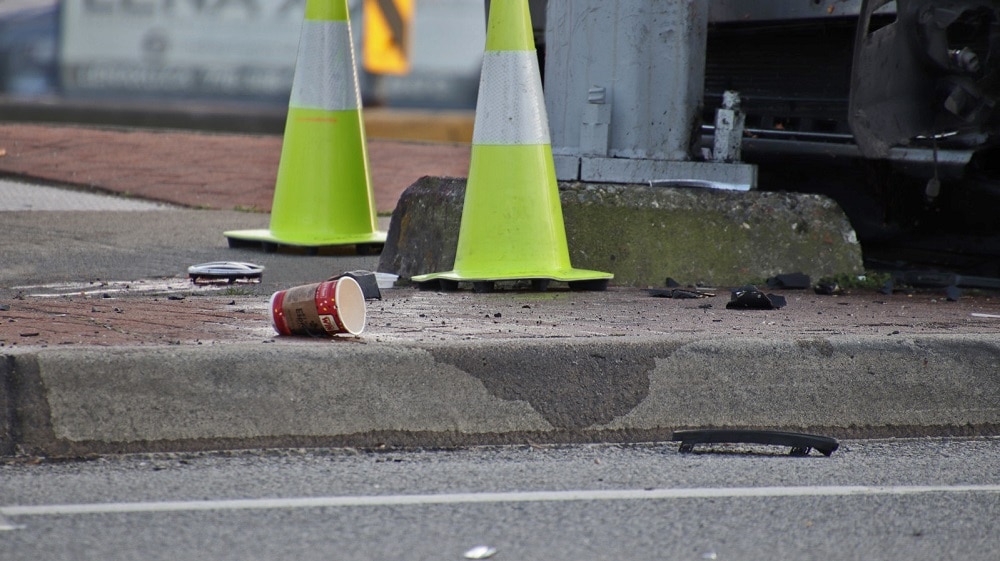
x=351 y=309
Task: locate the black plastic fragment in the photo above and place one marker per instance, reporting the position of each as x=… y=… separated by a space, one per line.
x=749 y=298
x=366 y=280
x=828 y=288
x=789 y=280
x=800 y=443
x=679 y=293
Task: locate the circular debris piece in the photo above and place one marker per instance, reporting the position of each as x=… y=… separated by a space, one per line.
x=225 y=270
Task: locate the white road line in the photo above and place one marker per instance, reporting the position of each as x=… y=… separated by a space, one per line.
x=488 y=498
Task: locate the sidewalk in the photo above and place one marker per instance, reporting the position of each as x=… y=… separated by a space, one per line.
x=106 y=346
x=200 y=170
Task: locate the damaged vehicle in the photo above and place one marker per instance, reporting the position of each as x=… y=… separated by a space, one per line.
x=889 y=107
x=899 y=97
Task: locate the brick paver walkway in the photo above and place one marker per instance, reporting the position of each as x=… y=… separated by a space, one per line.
x=218 y=171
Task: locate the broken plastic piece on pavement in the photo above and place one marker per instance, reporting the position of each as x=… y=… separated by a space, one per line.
x=749 y=298
x=800 y=443
x=229 y=271
x=789 y=280
x=828 y=288
x=481 y=552
x=679 y=293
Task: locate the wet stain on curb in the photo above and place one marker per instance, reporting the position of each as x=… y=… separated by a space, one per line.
x=580 y=386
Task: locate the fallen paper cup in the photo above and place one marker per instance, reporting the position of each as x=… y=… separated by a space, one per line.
x=320 y=310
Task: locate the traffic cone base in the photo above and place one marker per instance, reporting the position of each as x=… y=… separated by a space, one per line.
x=323 y=194
x=565 y=275
x=236 y=237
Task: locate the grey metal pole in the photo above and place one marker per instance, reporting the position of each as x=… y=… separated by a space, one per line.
x=624 y=83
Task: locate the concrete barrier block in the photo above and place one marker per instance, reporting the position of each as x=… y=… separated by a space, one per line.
x=645 y=234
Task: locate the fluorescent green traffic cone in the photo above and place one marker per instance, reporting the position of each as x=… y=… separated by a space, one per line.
x=323 y=194
x=512 y=224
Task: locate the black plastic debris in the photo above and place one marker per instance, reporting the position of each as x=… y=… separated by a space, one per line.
x=828 y=288
x=675 y=290
x=749 y=298
x=800 y=443
x=366 y=280
x=790 y=281
x=228 y=271
x=679 y=293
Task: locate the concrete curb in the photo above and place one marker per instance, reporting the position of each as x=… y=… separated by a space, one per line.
x=68 y=402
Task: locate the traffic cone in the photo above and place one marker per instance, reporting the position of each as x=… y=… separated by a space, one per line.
x=512 y=223
x=323 y=194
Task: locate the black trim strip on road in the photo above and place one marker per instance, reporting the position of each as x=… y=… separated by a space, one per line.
x=799 y=442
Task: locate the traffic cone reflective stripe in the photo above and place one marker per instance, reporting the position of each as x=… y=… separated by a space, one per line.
x=512 y=224
x=325 y=61
x=510 y=109
x=323 y=194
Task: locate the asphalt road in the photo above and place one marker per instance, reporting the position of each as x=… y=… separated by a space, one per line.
x=65 y=235
x=892 y=499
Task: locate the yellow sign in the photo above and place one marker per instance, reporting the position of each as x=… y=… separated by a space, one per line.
x=387 y=36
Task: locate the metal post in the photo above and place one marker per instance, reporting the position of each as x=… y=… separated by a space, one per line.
x=729 y=124
x=648 y=57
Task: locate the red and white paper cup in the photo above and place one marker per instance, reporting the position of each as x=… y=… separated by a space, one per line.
x=320 y=310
